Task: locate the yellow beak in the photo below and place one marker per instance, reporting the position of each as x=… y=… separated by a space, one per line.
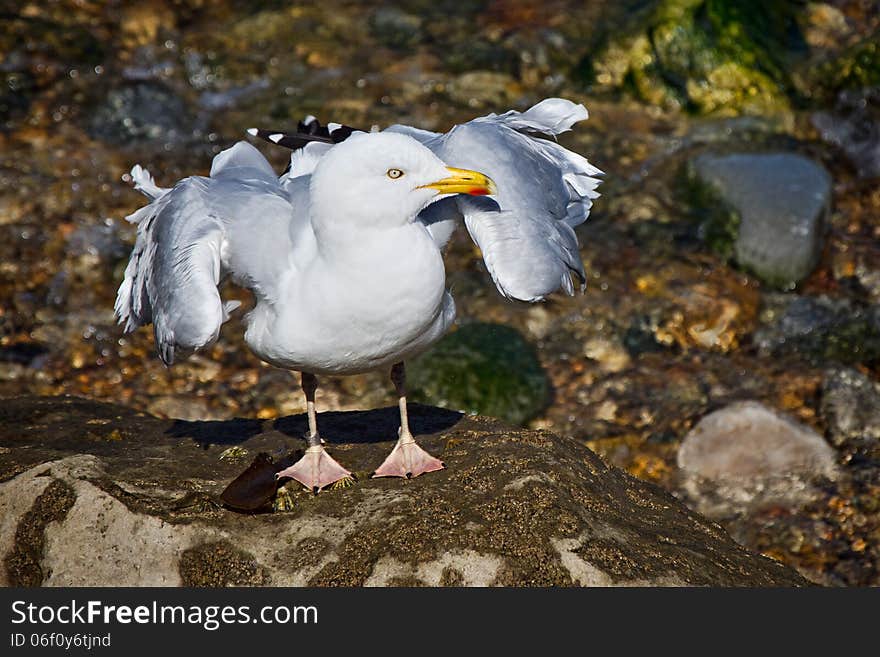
x=464 y=181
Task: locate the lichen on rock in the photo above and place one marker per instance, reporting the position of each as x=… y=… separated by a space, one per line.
x=707 y=56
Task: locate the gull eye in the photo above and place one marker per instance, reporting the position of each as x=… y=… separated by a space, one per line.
x=394 y=174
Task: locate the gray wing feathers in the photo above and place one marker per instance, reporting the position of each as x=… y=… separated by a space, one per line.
x=172 y=276
x=418 y=134
x=544 y=191
x=190 y=237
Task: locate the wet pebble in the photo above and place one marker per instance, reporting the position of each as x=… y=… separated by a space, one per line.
x=100 y=240
x=854 y=127
x=851 y=407
x=819 y=329
x=482 y=89
x=395 y=28
x=146 y=112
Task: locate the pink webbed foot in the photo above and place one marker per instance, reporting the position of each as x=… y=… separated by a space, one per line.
x=315 y=470
x=407 y=459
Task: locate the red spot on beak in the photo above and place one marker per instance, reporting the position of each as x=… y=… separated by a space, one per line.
x=478 y=191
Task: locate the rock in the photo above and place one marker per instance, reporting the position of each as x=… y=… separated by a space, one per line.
x=147 y=112
x=746 y=455
x=141 y=24
x=819 y=329
x=514 y=507
x=611 y=355
x=825 y=26
x=483 y=89
x=851 y=407
x=854 y=68
x=17 y=89
x=395 y=28
x=854 y=127
x=641 y=336
x=481 y=368
x=712 y=56
x=98 y=241
x=61 y=32
x=782 y=200
x=182 y=408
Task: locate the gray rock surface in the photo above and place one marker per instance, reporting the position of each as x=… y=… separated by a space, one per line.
x=854 y=127
x=95 y=494
x=747 y=454
x=850 y=406
x=818 y=329
x=782 y=200
x=395 y=28
x=142 y=112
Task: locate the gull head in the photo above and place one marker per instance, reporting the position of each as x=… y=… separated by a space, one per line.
x=383 y=180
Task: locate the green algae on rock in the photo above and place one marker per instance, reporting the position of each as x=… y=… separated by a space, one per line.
x=707 y=56
x=717 y=222
x=855 y=68
x=482 y=368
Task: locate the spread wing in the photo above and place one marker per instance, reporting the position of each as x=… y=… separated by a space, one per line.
x=237 y=222
x=544 y=190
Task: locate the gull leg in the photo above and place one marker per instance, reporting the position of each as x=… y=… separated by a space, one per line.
x=316 y=469
x=407 y=459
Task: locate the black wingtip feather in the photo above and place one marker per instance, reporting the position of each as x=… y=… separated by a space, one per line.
x=306 y=132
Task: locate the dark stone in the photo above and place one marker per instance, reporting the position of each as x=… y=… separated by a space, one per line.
x=639 y=337
x=820 y=329
x=22 y=353
x=16 y=91
x=854 y=127
x=395 y=28
x=851 y=407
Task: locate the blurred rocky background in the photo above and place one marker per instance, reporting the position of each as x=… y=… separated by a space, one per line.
x=727 y=347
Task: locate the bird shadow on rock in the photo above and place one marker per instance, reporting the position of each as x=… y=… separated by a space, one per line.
x=336 y=427
x=373 y=426
x=216 y=432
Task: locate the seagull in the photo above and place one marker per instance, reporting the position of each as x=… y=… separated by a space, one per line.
x=343 y=251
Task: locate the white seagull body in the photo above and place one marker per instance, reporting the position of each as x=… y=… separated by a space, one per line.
x=343 y=251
